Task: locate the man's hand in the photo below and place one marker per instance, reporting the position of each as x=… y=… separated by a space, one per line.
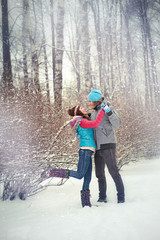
x=105 y=107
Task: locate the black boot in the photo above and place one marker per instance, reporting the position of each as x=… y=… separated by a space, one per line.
x=120 y=198
x=101 y=200
x=102 y=190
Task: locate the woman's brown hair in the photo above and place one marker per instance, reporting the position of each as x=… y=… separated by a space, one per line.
x=76 y=111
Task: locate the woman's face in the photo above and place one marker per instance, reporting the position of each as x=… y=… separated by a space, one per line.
x=83 y=110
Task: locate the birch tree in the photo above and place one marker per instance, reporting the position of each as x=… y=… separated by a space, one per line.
x=96 y=14
x=85 y=43
x=59 y=55
x=32 y=35
x=29 y=46
x=130 y=67
x=151 y=80
x=7 y=69
x=25 y=33
x=53 y=39
x=45 y=53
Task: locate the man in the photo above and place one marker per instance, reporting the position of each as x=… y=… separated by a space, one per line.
x=106 y=147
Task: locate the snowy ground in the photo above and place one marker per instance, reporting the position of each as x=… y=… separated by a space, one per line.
x=56 y=213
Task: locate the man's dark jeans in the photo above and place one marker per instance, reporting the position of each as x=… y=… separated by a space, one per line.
x=108 y=157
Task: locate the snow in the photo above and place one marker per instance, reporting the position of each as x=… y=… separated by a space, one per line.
x=56 y=213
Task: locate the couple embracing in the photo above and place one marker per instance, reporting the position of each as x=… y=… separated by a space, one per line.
x=96 y=136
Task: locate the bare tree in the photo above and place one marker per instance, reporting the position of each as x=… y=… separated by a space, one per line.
x=29 y=45
x=109 y=41
x=151 y=79
x=25 y=33
x=53 y=40
x=32 y=35
x=59 y=55
x=77 y=58
x=7 y=69
x=45 y=53
x=130 y=67
x=85 y=43
x=74 y=35
x=96 y=13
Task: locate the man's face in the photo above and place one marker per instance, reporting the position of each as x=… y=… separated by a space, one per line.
x=91 y=104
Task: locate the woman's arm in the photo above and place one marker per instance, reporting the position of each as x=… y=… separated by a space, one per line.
x=93 y=124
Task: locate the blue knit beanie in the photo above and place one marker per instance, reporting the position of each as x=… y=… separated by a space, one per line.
x=95 y=95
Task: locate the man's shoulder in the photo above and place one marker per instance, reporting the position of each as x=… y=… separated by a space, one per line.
x=93 y=115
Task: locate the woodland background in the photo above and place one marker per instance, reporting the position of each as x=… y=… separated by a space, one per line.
x=53 y=53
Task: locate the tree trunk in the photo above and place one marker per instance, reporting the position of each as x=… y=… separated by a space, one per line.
x=130 y=66
x=53 y=40
x=118 y=55
x=45 y=54
x=155 y=87
x=59 y=55
x=110 y=50
x=25 y=34
x=74 y=56
x=77 y=60
x=7 y=69
x=85 y=44
x=128 y=53
x=150 y=77
x=34 y=54
x=35 y=66
x=96 y=14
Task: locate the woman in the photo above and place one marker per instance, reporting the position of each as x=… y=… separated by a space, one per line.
x=84 y=129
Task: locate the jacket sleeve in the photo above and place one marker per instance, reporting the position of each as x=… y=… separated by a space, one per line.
x=114 y=119
x=93 y=124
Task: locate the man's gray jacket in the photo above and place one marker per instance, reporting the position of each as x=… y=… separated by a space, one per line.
x=104 y=134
